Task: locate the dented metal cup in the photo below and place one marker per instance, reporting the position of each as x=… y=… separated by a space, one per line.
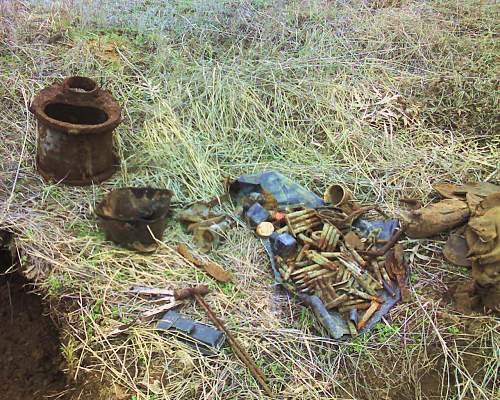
x=337 y=195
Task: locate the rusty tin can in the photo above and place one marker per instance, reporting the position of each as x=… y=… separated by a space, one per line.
x=135 y=217
x=76 y=120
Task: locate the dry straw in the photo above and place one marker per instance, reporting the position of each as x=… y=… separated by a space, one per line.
x=384 y=100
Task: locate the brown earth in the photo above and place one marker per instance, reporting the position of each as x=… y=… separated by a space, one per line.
x=32 y=363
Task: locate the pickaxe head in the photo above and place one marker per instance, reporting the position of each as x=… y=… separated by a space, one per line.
x=181 y=294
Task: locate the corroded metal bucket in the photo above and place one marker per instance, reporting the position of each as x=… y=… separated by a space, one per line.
x=76 y=120
x=135 y=217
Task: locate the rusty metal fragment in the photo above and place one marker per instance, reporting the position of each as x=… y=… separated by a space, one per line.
x=340 y=197
x=76 y=120
x=368 y=314
x=211 y=268
x=209 y=237
x=353 y=241
x=395 y=264
x=149 y=291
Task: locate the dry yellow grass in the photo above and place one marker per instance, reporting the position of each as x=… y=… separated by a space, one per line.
x=385 y=99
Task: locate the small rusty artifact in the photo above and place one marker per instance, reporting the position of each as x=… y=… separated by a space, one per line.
x=209 y=237
x=76 y=120
x=337 y=195
x=135 y=217
x=211 y=268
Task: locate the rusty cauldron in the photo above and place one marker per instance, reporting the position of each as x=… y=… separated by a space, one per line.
x=76 y=120
x=135 y=217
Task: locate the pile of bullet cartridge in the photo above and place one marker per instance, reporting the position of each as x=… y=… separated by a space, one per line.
x=345 y=278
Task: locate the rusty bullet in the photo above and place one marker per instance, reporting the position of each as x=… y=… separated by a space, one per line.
x=366 y=296
x=354 y=302
x=386 y=276
x=376 y=270
x=331 y=239
x=336 y=302
x=302 y=252
x=306 y=239
x=356 y=256
x=330 y=254
x=310 y=282
x=303 y=263
x=300 y=213
x=283 y=229
x=304 y=226
x=303 y=270
x=319 y=259
x=359 y=306
x=352 y=328
x=363 y=278
x=324 y=233
x=374 y=306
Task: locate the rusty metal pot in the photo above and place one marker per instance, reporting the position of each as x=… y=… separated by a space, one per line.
x=135 y=217
x=76 y=120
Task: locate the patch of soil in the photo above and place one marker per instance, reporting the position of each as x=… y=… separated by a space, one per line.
x=31 y=366
x=462 y=296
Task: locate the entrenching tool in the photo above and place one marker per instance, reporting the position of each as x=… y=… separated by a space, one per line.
x=201 y=290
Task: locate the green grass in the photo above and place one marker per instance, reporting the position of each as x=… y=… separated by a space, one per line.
x=386 y=99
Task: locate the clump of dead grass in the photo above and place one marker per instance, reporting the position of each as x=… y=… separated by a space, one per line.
x=323 y=92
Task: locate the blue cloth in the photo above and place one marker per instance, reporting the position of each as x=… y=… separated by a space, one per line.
x=285 y=191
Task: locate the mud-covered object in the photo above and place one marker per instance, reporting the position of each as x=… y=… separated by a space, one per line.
x=456 y=251
x=483 y=240
x=135 y=217
x=283 y=189
x=211 y=268
x=436 y=218
x=208 y=227
x=479 y=189
x=197 y=212
x=204 y=338
x=208 y=238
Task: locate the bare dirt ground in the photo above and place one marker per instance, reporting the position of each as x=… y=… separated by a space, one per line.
x=32 y=362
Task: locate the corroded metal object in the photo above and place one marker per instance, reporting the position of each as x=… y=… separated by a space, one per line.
x=135 y=217
x=337 y=195
x=76 y=120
